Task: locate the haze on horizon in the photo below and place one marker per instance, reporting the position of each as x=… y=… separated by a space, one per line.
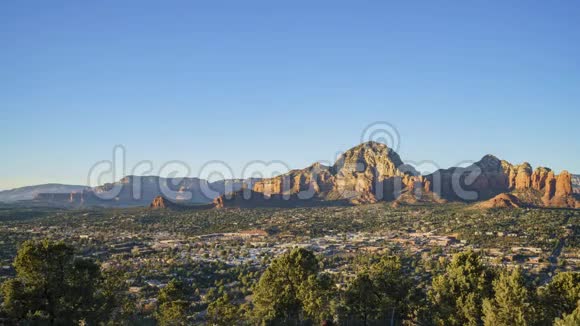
x=296 y=82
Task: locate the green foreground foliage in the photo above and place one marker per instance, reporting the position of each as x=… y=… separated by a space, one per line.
x=54 y=287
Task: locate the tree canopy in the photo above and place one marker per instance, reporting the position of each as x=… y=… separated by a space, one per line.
x=53 y=286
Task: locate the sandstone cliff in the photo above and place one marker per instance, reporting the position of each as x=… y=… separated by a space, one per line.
x=490 y=177
x=367 y=173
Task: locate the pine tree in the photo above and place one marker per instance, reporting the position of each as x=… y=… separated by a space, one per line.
x=457 y=295
x=572 y=319
x=172 y=306
x=511 y=303
x=560 y=296
x=52 y=286
x=288 y=289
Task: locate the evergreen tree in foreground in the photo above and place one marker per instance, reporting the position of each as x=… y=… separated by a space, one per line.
x=52 y=286
x=457 y=295
x=512 y=303
x=291 y=290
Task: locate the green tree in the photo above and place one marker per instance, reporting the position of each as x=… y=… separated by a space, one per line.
x=172 y=305
x=512 y=303
x=392 y=285
x=560 y=296
x=381 y=290
x=52 y=286
x=279 y=294
x=457 y=295
x=223 y=312
x=572 y=319
x=118 y=303
x=361 y=299
x=316 y=295
x=15 y=299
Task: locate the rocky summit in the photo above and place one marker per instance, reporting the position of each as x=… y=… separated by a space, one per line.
x=365 y=174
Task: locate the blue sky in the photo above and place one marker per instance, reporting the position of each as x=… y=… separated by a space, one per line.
x=296 y=81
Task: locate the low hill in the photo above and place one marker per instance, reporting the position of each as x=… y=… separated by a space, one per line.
x=501 y=201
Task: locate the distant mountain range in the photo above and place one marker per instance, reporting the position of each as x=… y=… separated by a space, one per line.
x=127 y=192
x=366 y=174
x=30 y=192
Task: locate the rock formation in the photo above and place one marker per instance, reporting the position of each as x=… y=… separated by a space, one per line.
x=161 y=202
x=501 y=201
x=558 y=192
x=365 y=174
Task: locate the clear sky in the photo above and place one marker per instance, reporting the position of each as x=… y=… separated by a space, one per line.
x=295 y=81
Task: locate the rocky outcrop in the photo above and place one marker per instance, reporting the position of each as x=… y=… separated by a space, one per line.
x=161 y=202
x=540 y=178
x=523 y=178
x=558 y=191
x=491 y=176
x=314 y=179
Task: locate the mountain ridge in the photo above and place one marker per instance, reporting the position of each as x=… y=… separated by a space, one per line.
x=371 y=172
x=30 y=192
x=367 y=173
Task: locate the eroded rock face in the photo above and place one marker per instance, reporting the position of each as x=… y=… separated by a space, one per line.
x=314 y=179
x=539 y=178
x=161 y=202
x=558 y=192
x=523 y=176
x=363 y=173
x=490 y=177
x=564 y=184
x=359 y=176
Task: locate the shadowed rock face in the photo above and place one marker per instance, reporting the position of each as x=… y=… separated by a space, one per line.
x=576 y=184
x=372 y=172
x=491 y=177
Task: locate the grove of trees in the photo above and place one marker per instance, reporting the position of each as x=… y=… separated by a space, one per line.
x=53 y=286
